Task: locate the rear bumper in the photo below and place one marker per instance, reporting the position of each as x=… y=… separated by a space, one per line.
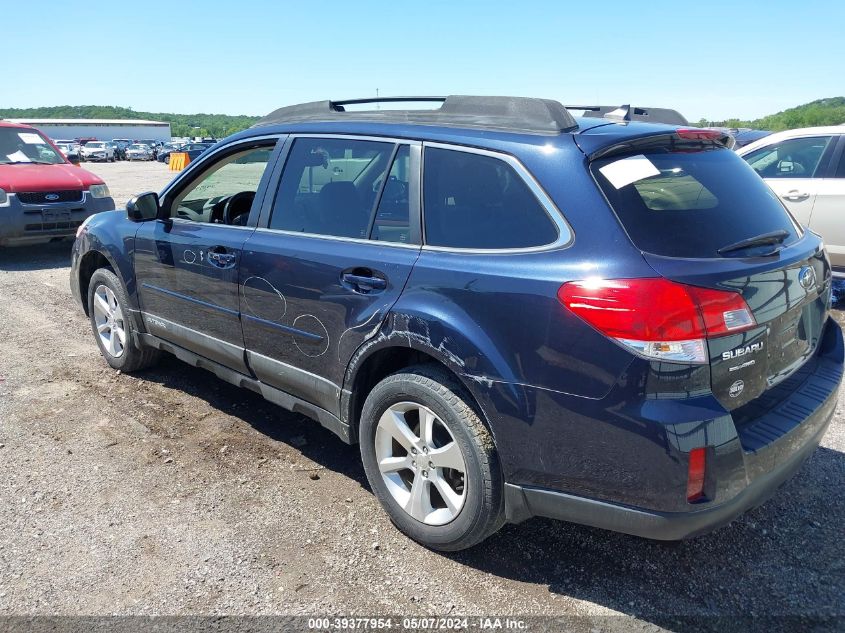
x=524 y=502
x=22 y=224
x=793 y=429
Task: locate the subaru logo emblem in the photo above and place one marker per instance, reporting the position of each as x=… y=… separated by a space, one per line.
x=52 y=197
x=807 y=277
x=736 y=388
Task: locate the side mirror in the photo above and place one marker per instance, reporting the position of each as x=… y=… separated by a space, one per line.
x=143 y=207
x=73 y=159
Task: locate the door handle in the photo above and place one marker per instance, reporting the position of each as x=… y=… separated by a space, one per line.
x=363 y=283
x=796 y=196
x=221 y=259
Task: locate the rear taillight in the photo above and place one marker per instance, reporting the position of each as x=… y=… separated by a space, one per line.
x=695 y=475
x=657 y=318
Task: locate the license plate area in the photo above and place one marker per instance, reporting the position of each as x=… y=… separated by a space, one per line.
x=55 y=219
x=792 y=339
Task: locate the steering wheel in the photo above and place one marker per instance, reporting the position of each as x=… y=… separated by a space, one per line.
x=230 y=209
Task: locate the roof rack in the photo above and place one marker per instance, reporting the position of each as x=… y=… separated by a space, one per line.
x=512 y=114
x=632 y=113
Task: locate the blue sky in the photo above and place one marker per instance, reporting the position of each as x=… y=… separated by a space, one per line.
x=707 y=59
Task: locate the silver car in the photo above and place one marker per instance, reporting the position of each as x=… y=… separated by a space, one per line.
x=139 y=151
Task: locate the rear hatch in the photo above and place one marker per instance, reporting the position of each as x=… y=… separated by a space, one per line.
x=703 y=218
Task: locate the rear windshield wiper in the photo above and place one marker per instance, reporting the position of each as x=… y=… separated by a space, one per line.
x=775 y=237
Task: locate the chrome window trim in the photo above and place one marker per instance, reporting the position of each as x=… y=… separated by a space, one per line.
x=187 y=222
x=565 y=233
x=336 y=238
x=358 y=137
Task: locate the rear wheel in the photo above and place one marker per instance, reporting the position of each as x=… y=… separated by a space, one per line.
x=112 y=327
x=430 y=460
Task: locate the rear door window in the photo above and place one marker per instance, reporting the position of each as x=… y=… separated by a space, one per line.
x=691 y=203
x=329 y=186
x=792 y=158
x=477 y=201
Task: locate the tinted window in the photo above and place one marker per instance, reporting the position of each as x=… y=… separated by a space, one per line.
x=840 y=170
x=476 y=201
x=205 y=199
x=691 y=203
x=392 y=222
x=329 y=186
x=793 y=158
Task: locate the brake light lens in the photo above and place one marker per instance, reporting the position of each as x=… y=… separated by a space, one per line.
x=657 y=318
x=694 y=134
x=695 y=475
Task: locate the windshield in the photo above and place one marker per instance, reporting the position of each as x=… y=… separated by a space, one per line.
x=141 y=147
x=22 y=145
x=95 y=145
x=690 y=203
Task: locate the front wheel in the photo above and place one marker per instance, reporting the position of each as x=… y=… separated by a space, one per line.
x=112 y=327
x=430 y=460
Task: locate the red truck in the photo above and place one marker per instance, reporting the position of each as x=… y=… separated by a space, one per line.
x=43 y=195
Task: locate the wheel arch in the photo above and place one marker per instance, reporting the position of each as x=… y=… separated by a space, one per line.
x=89 y=263
x=397 y=347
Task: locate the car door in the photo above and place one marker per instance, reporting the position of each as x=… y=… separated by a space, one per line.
x=828 y=218
x=187 y=263
x=329 y=259
x=791 y=167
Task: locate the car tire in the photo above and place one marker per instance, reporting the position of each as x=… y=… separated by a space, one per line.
x=411 y=494
x=108 y=310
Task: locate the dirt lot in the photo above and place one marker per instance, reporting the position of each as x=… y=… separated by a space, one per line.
x=171 y=492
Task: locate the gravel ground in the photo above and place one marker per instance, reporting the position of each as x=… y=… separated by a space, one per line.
x=171 y=492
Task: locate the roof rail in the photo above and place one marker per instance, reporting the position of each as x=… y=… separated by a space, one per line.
x=512 y=114
x=632 y=113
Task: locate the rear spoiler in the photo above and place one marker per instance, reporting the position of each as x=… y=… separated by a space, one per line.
x=632 y=113
x=594 y=148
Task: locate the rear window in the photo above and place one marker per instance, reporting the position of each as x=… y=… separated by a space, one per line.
x=691 y=203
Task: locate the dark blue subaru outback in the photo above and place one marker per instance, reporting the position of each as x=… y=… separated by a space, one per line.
x=514 y=312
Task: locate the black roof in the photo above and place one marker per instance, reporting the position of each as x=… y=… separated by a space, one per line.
x=512 y=114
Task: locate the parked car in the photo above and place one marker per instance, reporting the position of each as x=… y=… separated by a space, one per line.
x=741 y=136
x=152 y=144
x=98 y=151
x=69 y=151
x=193 y=150
x=139 y=151
x=120 y=148
x=165 y=150
x=512 y=311
x=806 y=169
x=74 y=146
x=746 y=136
x=43 y=195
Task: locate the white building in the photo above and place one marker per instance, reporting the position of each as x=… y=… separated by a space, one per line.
x=100 y=129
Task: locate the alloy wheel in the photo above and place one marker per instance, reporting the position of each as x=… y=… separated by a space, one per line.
x=108 y=318
x=421 y=464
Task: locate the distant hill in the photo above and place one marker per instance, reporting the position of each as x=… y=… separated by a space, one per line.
x=217 y=125
x=830 y=111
